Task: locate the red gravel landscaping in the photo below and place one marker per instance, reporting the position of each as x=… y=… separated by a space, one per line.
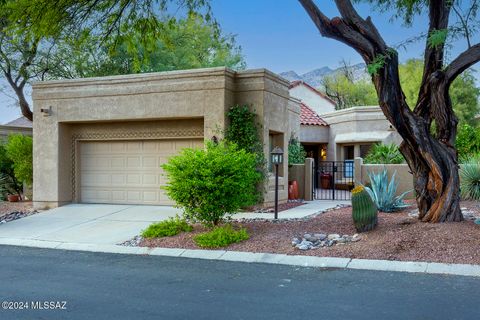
x=397 y=237
x=8 y=207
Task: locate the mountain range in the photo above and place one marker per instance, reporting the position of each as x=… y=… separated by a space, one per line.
x=314 y=77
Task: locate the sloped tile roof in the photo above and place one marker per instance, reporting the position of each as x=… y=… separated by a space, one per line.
x=309 y=117
x=20 y=122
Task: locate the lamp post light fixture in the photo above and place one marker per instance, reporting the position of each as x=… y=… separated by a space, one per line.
x=277 y=158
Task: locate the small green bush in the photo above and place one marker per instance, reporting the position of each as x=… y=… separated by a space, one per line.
x=470 y=178
x=19 y=149
x=8 y=183
x=212 y=182
x=384 y=154
x=221 y=237
x=467 y=141
x=167 y=228
x=296 y=152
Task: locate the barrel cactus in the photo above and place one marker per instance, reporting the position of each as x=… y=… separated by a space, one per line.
x=364 y=210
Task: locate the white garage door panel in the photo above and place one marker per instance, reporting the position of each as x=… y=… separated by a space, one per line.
x=127 y=171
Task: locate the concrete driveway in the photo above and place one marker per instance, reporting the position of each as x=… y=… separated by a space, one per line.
x=87 y=223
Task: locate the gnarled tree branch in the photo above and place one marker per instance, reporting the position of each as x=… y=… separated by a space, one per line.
x=464 y=61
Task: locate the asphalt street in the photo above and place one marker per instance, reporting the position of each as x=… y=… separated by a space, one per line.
x=56 y=284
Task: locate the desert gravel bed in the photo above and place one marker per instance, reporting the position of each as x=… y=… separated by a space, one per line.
x=397 y=237
x=9 y=207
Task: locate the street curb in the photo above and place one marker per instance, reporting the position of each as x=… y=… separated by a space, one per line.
x=469 y=270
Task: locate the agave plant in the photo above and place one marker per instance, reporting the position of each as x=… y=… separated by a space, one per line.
x=383 y=192
x=470 y=178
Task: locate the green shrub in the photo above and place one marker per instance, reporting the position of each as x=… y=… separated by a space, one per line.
x=296 y=152
x=167 y=228
x=221 y=237
x=467 y=141
x=19 y=150
x=8 y=183
x=243 y=130
x=470 y=178
x=384 y=154
x=383 y=193
x=212 y=182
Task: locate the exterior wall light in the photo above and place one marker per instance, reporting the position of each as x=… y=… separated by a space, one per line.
x=277 y=158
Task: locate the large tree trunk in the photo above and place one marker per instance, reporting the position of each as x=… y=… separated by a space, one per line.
x=24 y=105
x=432 y=158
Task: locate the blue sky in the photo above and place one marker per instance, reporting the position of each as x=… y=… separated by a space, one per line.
x=278 y=35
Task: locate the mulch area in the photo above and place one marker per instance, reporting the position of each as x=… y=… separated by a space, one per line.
x=7 y=208
x=397 y=237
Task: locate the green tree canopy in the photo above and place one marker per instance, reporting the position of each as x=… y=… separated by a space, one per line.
x=186 y=43
x=43 y=39
x=463 y=91
x=348 y=93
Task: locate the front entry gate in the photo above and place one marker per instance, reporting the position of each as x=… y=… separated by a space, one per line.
x=334 y=180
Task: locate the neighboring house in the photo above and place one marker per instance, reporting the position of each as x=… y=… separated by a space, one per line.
x=339 y=135
x=102 y=140
x=21 y=125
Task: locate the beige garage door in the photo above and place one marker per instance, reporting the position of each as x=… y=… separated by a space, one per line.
x=127 y=171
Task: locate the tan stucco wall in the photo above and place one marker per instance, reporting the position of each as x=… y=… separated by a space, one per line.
x=402 y=176
x=180 y=104
x=314 y=134
x=319 y=104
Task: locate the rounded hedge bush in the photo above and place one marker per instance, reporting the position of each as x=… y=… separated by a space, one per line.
x=212 y=182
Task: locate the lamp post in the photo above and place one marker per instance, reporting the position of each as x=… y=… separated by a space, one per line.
x=277 y=158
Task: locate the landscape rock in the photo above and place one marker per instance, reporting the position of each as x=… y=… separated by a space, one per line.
x=320 y=236
x=321 y=240
x=333 y=236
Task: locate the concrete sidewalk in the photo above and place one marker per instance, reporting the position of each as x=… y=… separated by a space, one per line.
x=87 y=223
x=112 y=224
x=309 y=209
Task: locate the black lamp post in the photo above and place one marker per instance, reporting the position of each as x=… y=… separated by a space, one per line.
x=277 y=158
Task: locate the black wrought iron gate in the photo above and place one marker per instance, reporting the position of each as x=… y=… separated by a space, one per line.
x=334 y=180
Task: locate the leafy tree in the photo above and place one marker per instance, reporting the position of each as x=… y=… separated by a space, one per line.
x=42 y=39
x=463 y=91
x=19 y=149
x=348 y=93
x=431 y=156
x=468 y=141
x=18 y=52
x=186 y=43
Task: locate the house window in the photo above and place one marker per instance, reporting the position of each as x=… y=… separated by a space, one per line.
x=348 y=152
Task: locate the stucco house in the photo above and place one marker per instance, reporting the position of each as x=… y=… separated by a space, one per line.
x=102 y=140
